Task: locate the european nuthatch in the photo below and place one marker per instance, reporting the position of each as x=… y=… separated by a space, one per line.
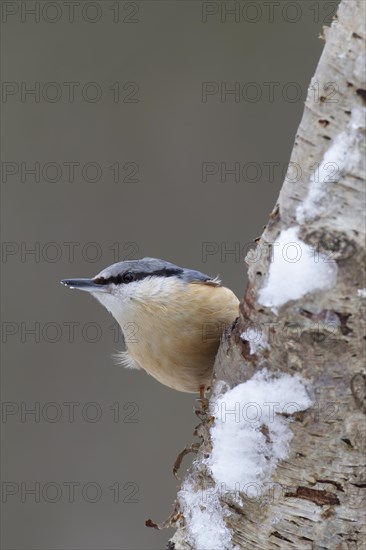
x=176 y=316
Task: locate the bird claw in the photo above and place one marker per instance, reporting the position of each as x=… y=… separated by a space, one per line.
x=201 y=410
x=171 y=521
x=178 y=461
x=202 y=405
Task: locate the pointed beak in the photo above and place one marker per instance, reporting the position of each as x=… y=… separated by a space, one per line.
x=84 y=284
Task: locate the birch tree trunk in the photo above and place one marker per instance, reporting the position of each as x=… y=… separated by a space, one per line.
x=319 y=335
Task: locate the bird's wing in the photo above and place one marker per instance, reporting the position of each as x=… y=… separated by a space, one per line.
x=192 y=276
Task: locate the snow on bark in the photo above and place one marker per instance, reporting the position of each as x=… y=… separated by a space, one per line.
x=296 y=269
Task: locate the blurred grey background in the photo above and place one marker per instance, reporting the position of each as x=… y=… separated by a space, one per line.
x=123 y=150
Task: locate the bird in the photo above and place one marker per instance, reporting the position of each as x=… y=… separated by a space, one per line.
x=171 y=317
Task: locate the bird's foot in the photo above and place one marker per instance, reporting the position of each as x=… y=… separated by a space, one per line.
x=202 y=406
x=201 y=431
x=171 y=521
x=178 y=461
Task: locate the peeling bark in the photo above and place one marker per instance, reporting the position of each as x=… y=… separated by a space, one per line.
x=322 y=484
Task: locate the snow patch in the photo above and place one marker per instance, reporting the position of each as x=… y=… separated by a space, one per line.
x=203 y=513
x=249 y=437
x=256 y=339
x=296 y=269
x=361 y=292
x=342 y=155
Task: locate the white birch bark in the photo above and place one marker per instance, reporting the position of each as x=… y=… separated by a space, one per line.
x=321 y=335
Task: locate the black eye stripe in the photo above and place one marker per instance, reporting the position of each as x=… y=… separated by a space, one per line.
x=130 y=277
x=100 y=281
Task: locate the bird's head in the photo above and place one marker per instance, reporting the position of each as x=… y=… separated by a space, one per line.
x=120 y=285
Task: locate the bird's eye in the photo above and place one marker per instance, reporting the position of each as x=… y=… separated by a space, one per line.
x=127 y=277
